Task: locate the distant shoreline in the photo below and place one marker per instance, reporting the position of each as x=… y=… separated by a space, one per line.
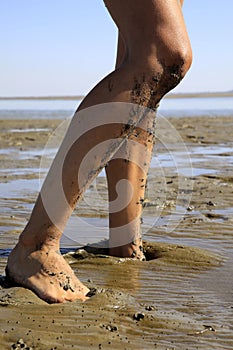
x=80 y=97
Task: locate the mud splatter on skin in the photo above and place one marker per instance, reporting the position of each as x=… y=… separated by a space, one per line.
x=59 y=278
x=139 y=135
x=134 y=254
x=138 y=253
x=172 y=76
x=144 y=91
x=148 y=91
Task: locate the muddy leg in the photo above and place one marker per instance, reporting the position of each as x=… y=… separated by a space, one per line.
x=127 y=175
x=158 y=56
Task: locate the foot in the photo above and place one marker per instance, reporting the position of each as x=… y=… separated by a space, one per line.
x=46 y=273
x=133 y=250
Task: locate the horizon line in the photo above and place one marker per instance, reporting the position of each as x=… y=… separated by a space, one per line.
x=80 y=97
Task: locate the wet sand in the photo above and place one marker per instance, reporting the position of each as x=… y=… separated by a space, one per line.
x=180 y=298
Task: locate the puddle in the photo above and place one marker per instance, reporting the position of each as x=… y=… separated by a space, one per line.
x=29 y=130
x=198 y=160
x=18 y=188
x=217 y=150
x=22 y=171
x=27 y=154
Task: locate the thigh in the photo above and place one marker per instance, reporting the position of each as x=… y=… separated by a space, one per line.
x=121 y=51
x=148 y=24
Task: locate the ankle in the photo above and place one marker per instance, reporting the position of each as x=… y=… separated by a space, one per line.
x=48 y=240
x=131 y=250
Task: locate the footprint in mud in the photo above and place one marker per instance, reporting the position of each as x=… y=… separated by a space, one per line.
x=157 y=251
x=97 y=255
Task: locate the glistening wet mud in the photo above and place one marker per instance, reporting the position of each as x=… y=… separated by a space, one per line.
x=113 y=316
x=182 y=299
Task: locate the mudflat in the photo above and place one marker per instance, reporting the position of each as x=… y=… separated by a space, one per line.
x=180 y=298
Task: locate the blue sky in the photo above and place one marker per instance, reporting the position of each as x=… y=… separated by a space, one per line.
x=57 y=47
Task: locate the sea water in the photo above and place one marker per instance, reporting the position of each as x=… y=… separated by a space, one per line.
x=60 y=109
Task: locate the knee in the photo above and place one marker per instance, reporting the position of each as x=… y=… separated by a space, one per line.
x=175 y=64
x=187 y=58
x=157 y=74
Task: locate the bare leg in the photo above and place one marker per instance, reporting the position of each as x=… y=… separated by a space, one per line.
x=158 y=56
x=128 y=244
x=121 y=243
x=130 y=164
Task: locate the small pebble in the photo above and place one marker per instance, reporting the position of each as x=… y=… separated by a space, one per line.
x=190 y=208
x=149 y=308
x=20 y=345
x=138 y=316
x=111 y=328
x=210 y=203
